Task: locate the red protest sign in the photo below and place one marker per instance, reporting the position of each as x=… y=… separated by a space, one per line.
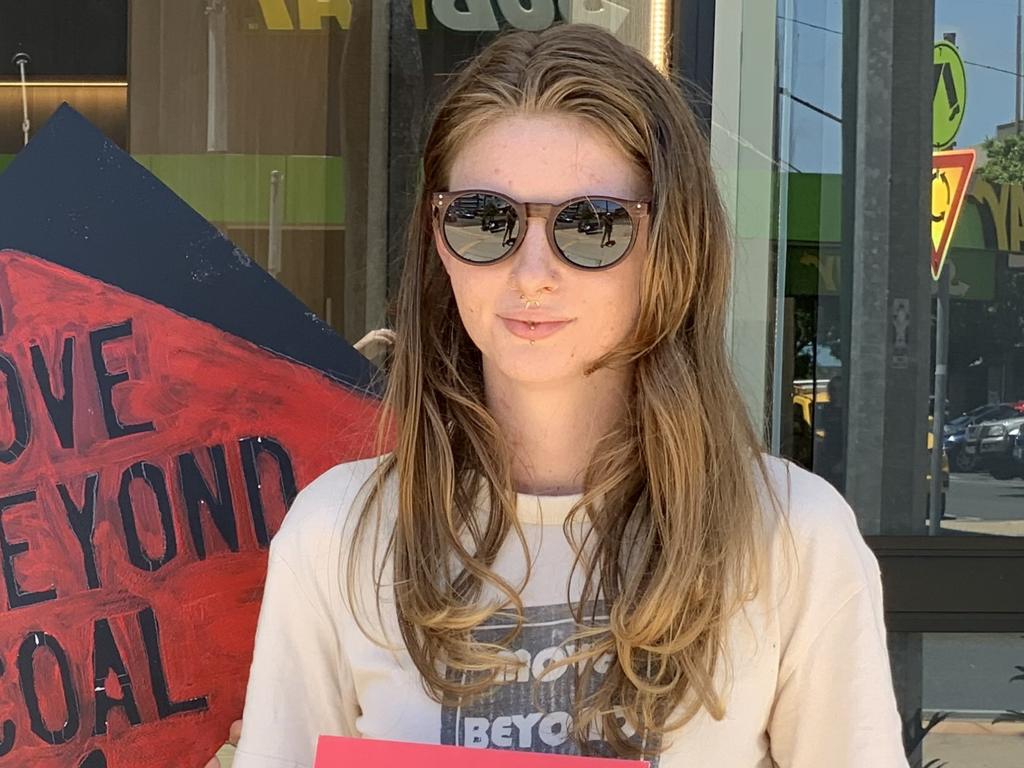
x=148 y=459
x=154 y=428
x=342 y=752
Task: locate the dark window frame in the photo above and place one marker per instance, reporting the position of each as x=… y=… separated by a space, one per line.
x=951 y=583
x=693 y=53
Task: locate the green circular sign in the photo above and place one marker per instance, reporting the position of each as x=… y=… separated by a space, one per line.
x=950 y=94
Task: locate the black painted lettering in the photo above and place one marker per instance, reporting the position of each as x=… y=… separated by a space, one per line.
x=153 y=477
x=197 y=493
x=83 y=523
x=30 y=646
x=16 y=597
x=165 y=707
x=251 y=448
x=61 y=409
x=95 y=759
x=22 y=426
x=106 y=659
x=106 y=381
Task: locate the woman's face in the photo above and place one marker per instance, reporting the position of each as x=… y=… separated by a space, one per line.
x=545 y=159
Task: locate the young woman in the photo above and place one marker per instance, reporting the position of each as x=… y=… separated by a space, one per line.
x=575 y=544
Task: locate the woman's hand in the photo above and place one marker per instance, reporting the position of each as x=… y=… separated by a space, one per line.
x=233 y=733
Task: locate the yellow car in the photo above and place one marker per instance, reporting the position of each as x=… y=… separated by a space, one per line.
x=807 y=401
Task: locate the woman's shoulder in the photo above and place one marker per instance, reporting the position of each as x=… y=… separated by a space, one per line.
x=324 y=507
x=812 y=503
x=822 y=527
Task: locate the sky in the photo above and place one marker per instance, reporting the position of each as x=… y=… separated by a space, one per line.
x=985 y=34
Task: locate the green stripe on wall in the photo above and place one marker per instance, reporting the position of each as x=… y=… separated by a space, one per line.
x=815 y=213
x=234 y=190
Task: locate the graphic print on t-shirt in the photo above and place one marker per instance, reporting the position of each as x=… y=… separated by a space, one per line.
x=528 y=710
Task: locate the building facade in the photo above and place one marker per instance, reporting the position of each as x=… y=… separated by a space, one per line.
x=295 y=125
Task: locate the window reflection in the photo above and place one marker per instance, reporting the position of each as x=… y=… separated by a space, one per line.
x=982 y=450
x=984 y=406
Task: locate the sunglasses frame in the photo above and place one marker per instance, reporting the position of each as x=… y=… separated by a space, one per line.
x=440 y=202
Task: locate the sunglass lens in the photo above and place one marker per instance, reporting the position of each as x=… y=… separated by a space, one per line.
x=593 y=233
x=481 y=228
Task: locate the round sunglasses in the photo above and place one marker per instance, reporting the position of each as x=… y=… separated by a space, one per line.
x=588 y=232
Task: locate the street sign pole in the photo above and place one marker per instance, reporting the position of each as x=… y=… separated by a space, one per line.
x=935 y=505
x=950 y=82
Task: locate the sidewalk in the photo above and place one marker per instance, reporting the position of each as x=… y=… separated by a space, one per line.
x=988 y=527
x=975 y=744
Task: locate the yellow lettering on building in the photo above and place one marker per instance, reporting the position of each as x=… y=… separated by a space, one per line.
x=998 y=203
x=419 y=13
x=827 y=266
x=1016 y=224
x=312 y=13
x=275 y=14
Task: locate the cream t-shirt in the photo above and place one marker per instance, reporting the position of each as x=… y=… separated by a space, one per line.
x=810 y=678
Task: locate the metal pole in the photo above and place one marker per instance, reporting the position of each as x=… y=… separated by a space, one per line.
x=1017 y=82
x=376 y=256
x=782 y=390
x=939 y=407
x=939 y=392
x=216 y=77
x=20 y=60
x=274 y=258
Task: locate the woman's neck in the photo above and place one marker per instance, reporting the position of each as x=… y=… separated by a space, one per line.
x=552 y=428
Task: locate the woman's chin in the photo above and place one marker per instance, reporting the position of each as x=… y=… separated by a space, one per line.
x=532 y=366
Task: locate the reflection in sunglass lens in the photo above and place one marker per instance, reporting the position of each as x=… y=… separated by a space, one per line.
x=593 y=233
x=481 y=227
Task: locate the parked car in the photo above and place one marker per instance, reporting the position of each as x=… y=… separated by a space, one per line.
x=972 y=416
x=1018 y=453
x=992 y=442
x=956 y=433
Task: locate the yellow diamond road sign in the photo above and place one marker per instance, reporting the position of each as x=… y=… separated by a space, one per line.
x=951 y=174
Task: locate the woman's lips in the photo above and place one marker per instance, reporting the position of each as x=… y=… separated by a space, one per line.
x=534 y=331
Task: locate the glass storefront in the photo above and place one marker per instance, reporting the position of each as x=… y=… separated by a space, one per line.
x=294 y=126
x=986 y=343
x=981 y=476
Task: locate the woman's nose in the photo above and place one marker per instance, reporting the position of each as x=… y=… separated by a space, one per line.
x=535 y=264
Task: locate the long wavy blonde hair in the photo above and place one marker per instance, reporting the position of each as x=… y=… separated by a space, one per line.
x=671 y=504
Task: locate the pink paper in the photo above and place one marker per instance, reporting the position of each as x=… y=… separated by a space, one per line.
x=341 y=752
